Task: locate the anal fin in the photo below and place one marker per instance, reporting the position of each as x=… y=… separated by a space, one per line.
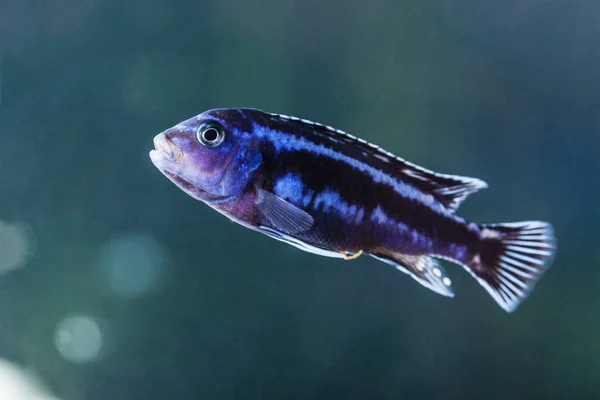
x=424 y=269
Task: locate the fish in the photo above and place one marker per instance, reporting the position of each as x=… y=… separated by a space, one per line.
x=336 y=195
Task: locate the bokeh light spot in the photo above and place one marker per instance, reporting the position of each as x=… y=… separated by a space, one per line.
x=133 y=264
x=78 y=339
x=17 y=384
x=16 y=246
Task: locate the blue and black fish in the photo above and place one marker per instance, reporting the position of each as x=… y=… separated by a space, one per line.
x=333 y=194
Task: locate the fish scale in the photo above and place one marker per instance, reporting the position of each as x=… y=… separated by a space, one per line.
x=346 y=187
x=328 y=192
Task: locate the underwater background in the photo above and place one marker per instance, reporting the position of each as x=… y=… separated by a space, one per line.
x=116 y=285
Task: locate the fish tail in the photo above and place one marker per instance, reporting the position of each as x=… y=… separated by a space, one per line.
x=511 y=259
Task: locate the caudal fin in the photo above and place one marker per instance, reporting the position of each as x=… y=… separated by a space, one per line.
x=512 y=258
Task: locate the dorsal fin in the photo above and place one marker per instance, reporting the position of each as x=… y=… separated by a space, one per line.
x=450 y=190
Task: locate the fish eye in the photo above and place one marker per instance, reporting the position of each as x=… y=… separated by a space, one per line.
x=211 y=135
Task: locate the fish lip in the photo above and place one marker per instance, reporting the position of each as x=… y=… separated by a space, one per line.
x=165 y=146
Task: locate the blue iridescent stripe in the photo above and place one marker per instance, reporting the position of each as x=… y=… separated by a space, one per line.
x=283 y=141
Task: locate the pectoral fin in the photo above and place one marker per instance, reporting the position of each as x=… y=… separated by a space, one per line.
x=283 y=215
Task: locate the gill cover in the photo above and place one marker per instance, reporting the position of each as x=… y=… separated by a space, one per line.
x=244 y=161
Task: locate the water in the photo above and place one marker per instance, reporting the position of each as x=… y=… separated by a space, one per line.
x=114 y=284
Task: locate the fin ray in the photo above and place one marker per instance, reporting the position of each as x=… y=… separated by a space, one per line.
x=283 y=215
x=450 y=190
x=513 y=257
x=424 y=269
x=299 y=244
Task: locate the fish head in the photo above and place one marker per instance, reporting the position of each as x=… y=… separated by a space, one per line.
x=208 y=155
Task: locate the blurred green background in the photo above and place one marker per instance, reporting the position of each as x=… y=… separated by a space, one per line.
x=119 y=286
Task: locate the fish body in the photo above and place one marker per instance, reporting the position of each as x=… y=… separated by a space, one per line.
x=333 y=194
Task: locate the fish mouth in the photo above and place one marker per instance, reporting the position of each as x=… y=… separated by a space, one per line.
x=164 y=148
